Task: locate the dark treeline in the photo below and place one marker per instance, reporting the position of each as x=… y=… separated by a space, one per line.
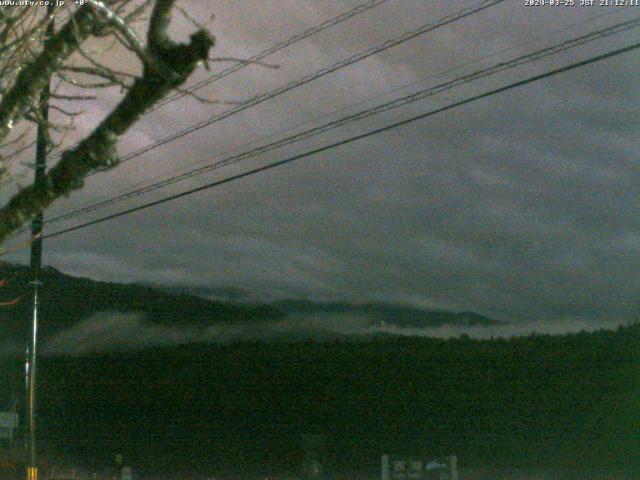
x=566 y=401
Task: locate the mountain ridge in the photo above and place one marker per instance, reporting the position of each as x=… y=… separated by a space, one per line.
x=67 y=300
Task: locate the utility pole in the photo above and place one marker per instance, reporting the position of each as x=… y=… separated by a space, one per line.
x=42 y=143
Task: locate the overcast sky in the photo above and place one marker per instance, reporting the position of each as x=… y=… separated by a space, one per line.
x=522 y=206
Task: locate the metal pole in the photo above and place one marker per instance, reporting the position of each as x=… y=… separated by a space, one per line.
x=25 y=427
x=36 y=263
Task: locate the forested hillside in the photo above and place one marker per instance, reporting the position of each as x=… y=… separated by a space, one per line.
x=571 y=400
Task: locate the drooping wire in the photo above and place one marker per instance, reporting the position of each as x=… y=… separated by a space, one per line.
x=369 y=112
x=258 y=99
x=254 y=101
x=349 y=140
x=380 y=95
x=359 y=9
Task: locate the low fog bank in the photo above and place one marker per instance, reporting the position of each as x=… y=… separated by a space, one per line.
x=114 y=331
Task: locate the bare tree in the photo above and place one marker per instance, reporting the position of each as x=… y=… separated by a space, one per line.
x=27 y=64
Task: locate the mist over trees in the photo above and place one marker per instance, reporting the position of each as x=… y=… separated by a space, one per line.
x=568 y=403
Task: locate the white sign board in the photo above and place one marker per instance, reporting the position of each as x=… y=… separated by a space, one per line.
x=401 y=467
x=8 y=420
x=126 y=473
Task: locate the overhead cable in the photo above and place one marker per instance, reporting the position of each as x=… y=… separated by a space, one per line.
x=376 y=110
x=349 y=140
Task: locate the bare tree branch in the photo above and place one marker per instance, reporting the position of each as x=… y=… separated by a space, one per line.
x=129 y=35
x=170 y=65
x=72 y=97
x=35 y=75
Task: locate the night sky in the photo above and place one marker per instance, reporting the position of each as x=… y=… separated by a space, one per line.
x=522 y=206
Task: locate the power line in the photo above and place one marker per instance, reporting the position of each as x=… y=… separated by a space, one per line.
x=351 y=139
x=361 y=102
x=425 y=28
x=269 y=51
x=258 y=99
x=449 y=70
x=405 y=37
x=399 y=102
x=273 y=49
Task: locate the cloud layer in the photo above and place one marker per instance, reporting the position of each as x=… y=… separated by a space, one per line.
x=521 y=207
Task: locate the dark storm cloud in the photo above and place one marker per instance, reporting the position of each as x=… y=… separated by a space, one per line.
x=522 y=206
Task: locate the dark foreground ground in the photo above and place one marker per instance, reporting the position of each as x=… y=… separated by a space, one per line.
x=565 y=407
